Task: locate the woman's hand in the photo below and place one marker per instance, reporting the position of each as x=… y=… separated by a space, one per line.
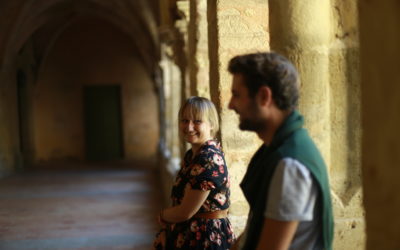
x=161 y=221
x=160 y=241
x=235 y=245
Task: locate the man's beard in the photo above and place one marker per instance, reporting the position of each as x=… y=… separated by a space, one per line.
x=252 y=125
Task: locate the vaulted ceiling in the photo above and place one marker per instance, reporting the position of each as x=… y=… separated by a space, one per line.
x=43 y=20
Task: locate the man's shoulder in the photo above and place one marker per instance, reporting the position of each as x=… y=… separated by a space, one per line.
x=299 y=145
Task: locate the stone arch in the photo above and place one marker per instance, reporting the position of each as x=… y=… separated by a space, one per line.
x=138 y=22
x=31 y=28
x=92 y=52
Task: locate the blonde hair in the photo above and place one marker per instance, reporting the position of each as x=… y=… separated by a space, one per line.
x=200 y=108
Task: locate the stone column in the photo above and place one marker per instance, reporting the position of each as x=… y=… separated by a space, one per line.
x=380 y=91
x=345 y=115
x=302 y=32
x=170 y=100
x=7 y=121
x=235 y=27
x=320 y=37
x=198 y=49
x=181 y=45
x=10 y=157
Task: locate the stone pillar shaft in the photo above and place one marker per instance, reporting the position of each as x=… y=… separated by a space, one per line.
x=321 y=40
x=198 y=49
x=301 y=31
x=235 y=27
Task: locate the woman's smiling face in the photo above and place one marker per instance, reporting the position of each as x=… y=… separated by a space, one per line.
x=195 y=131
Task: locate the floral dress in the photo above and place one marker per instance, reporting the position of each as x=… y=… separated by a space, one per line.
x=205 y=171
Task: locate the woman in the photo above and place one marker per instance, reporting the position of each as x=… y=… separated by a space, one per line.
x=200 y=194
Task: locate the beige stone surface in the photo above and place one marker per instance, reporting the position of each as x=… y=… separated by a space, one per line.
x=235 y=27
x=198 y=49
x=172 y=99
x=345 y=115
x=302 y=32
x=350 y=234
x=320 y=37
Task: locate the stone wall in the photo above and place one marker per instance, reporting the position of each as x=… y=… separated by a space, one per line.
x=27 y=32
x=321 y=38
x=92 y=52
x=235 y=27
x=198 y=49
x=9 y=143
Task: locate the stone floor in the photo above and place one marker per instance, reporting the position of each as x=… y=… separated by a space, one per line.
x=102 y=209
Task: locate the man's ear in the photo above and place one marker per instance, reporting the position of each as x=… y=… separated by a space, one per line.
x=265 y=95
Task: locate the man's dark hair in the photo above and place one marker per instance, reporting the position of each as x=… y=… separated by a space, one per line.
x=272 y=70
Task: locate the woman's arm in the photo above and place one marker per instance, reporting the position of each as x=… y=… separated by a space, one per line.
x=192 y=200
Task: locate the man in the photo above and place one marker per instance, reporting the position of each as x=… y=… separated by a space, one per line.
x=286 y=183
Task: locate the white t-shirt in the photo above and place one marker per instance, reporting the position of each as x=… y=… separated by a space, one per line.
x=293 y=196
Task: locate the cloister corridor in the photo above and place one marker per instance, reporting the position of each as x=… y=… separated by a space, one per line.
x=85 y=81
x=99 y=208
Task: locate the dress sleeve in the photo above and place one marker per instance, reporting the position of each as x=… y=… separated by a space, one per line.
x=208 y=171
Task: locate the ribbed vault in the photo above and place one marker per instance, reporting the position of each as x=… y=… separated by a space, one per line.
x=43 y=20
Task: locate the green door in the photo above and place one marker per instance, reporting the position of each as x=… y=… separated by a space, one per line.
x=103 y=130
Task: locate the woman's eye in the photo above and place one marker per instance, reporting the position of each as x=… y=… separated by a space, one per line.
x=184 y=120
x=197 y=121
